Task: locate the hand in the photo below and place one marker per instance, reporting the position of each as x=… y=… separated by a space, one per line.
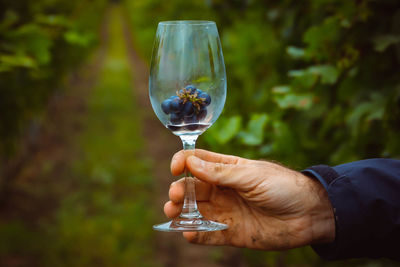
x=267 y=206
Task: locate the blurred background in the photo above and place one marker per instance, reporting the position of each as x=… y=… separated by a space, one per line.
x=84 y=162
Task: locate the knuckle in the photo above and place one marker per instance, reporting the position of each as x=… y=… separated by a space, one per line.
x=219 y=172
x=222 y=172
x=205 y=238
x=218 y=167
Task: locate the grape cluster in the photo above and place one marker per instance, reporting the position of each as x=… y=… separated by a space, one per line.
x=188 y=106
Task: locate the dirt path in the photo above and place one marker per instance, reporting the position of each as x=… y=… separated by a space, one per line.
x=67 y=156
x=172 y=248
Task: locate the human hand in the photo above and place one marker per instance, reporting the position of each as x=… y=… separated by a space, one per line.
x=267 y=206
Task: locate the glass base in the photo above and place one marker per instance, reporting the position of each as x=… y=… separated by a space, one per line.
x=190 y=225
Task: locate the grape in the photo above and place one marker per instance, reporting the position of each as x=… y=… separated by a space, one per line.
x=191 y=89
x=188 y=109
x=176 y=118
x=191 y=119
x=207 y=98
x=176 y=104
x=202 y=114
x=166 y=106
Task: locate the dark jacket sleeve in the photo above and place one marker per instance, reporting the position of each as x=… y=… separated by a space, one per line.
x=365 y=197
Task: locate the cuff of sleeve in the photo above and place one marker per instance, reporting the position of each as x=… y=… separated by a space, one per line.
x=325 y=175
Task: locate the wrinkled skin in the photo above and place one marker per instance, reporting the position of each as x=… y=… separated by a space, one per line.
x=266 y=206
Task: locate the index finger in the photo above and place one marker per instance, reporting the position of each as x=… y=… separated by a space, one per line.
x=178 y=160
x=216 y=157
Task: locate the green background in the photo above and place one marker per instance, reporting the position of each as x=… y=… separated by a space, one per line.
x=309 y=82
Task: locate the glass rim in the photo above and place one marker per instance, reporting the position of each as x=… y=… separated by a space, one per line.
x=186 y=22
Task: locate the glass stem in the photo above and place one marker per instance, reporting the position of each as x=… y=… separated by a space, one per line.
x=189 y=209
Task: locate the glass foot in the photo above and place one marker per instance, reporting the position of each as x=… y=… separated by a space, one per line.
x=190 y=225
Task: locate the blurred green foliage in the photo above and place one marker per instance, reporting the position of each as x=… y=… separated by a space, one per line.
x=40 y=41
x=104 y=207
x=309 y=82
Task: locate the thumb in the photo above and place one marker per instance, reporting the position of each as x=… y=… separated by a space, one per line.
x=215 y=172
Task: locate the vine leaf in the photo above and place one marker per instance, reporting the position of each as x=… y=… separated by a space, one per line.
x=382 y=42
x=254 y=133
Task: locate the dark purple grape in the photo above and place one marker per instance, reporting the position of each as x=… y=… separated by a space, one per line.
x=207 y=98
x=176 y=104
x=191 y=119
x=188 y=109
x=166 y=106
x=202 y=114
x=192 y=127
x=173 y=127
x=191 y=89
x=176 y=118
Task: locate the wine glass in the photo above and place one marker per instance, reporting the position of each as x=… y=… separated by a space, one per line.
x=187 y=89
